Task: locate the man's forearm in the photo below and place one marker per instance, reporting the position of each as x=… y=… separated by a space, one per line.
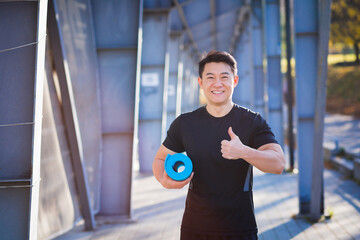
x=267 y=160
x=164 y=179
x=158 y=168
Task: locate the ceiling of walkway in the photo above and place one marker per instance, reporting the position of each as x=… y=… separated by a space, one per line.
x=208 y=24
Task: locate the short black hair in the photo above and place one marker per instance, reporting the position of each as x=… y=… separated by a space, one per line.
x=218 y=56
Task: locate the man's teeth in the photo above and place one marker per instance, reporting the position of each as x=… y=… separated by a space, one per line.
x=217 y=92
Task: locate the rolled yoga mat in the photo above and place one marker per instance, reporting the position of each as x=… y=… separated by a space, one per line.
x=178 y=166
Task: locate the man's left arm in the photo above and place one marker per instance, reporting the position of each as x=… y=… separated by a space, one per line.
x=268 y=158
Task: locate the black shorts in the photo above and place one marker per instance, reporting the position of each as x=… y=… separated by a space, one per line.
x=193 y=236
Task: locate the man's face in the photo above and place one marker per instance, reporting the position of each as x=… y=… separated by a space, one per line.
x=218 y=83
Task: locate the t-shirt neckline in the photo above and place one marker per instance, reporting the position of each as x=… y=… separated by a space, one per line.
x=206 y=111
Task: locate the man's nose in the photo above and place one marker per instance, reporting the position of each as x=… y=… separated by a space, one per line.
x=217 y=81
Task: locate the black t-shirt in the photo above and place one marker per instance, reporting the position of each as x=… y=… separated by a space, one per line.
x=219 y=199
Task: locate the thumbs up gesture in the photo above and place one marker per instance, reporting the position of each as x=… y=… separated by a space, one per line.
x=234 y=148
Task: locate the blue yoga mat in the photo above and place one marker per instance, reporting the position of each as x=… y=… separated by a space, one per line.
x=173 y=164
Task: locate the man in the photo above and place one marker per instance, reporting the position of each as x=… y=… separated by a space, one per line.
x=224 y=141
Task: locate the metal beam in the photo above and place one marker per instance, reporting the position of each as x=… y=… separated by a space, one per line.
x=258 y=88
x=289 y=84
x=76 y=22
x=185 y=23
x=241 y=58
x=187 y=87
x=238 y=28
x=186 y=2
x=317 y=186
x=135 y=143
x=209 y=20
x=179 y=87
x=306 y=58
x=213 y=23
x=273 y=70
x=156 y=10
x=210 y=36
x=173 y=46
x=22 y=58
x=153 y=89
x=164 y=127
x=38 y=103
x=118 y=30
x=70 y=116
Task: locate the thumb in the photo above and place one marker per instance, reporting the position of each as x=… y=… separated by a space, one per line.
x=231 y=133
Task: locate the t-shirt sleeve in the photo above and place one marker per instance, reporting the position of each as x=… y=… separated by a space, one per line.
x=173 y=140
x=262 y=133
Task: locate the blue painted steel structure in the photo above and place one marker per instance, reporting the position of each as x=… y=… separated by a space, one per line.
x=306 y=57
x=317 y=187
x=79 y=49
x=174 y=40
x=153 y=85
x=70 y=114
x=248 y=73
x=179 y=90
x=238 y=96
x=242 y=91
x=116 y=32
x=22 y=55
x=289 y=87
x=146 y=62
x=273 y=70
x=188 y=78
x=242 y=55
x=258 y=83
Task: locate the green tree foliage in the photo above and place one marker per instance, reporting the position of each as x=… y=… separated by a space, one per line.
x=345 y=23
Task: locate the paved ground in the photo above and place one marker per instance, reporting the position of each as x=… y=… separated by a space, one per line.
x=344 y=129
x=158 y=211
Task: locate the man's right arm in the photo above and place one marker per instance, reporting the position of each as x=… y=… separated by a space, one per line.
x=160 y=173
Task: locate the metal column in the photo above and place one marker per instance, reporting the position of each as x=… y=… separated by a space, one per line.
x=75 y=21
x=154 y=64
x=274 y=78
x=317 y=188
x=194 y=87
x=193 y=84
x=70 y=115
x=186 y=83
x=242 y=55
x=185 y=76
x=247 y=70
x=116 y=32
x=306 y=57
x=258 y=102
x=22 y=54
x=289 y=97
x=239 y=56
x=174 y=51
x=180 y=79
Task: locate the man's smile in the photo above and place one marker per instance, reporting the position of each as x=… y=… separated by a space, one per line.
x=217 y=92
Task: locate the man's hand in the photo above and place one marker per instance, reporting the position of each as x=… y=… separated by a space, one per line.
x=233 y=149
x=170 y=183
x=268 y=158
x=160 y=173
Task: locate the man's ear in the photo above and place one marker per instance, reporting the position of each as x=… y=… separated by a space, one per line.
x=236 y=80
x=200 y=82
